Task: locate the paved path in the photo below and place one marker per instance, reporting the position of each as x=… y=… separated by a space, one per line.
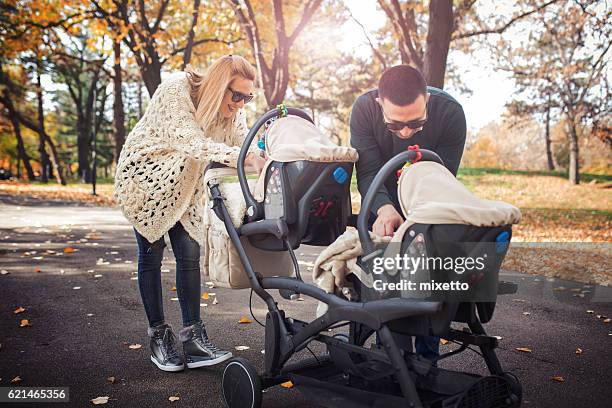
x=80 y=337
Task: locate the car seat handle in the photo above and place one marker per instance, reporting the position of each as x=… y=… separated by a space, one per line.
x=255 y=208
x=364 y=214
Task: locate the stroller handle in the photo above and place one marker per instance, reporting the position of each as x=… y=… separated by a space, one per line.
x=254 y=208
x=364 y=214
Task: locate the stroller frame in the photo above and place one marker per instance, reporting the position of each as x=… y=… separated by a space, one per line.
x=347 y=357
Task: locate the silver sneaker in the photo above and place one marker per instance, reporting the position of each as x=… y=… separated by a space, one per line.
x=199 y=350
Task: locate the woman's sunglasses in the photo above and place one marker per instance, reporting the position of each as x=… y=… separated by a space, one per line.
x=239 y=96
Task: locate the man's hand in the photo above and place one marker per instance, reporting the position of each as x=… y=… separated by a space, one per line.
x=255 y=162
x=387 y=221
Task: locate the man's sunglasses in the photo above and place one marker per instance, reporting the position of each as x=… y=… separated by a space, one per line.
x=397 y=126
x=239 y=96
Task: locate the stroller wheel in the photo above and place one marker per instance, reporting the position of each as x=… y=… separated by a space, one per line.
x=241 y=386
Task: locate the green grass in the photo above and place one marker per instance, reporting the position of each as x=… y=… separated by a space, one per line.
x=585 y=177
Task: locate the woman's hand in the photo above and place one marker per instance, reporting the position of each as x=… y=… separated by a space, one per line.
x=255 y=162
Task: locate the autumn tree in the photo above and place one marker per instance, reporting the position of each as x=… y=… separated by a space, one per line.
x=426 y=32
x=156 y=34
x=564 y=65
x=25 y=43
x=274 y=70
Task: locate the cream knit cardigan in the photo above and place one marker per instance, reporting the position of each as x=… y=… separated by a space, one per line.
x=159 y=177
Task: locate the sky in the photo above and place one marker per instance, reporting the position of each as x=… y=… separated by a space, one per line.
x=491 y=89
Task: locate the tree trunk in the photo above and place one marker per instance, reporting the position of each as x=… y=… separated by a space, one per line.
x=438 y=41
x=574 y=163
x=118 y=113
x=151 y=74
x=44 y=157
x=139 y=93
x=21 y=151
x=191 y=35
x=549 y=156
x=83 y=147
x=55 y=161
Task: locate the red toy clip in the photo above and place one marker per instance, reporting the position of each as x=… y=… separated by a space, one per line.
x=419 y=155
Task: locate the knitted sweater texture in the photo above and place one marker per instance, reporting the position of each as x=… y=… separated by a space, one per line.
x=159 y=177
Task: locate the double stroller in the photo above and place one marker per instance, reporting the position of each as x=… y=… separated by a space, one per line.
x=310 y=204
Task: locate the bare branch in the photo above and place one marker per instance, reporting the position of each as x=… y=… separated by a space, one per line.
x=504 y=27
x=309 y=10
x=160 y=16
x=375 y=51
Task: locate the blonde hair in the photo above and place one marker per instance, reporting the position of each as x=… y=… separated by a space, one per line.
x=208 y=89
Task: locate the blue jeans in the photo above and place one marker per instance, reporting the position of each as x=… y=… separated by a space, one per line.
x=426 y=346
x=187 y=254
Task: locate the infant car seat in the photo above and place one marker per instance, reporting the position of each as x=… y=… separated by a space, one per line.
x=306 y=183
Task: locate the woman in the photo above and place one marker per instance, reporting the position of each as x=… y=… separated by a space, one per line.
x=193 y=119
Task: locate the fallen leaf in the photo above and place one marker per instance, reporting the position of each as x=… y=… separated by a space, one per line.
x=606 y=320
x=69 y=250
x=4 y=272
x=215 y=301
x=24 y=323
x=242 y=348
x=443 y=341
x=203 y=304
x=559 y=288
x=244 y=320
x=498 y=337
x=111 y=380
x=287 y=384
x=173 y=289
x=558 y=378
x=76 y=288
x=172 y=399
x=524 y=349
x=135 y=346
x=19 y=310
x=100 y=400
x=97 y=276
x=37 y=270
x=526 y=313
x=205 y=296
x=174 y=298
x=16 y=380
x=578 y=351
x=590 y=311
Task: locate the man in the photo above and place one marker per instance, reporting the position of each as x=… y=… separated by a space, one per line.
x=403 y=111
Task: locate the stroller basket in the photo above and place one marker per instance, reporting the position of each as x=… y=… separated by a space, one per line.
x=328 y=386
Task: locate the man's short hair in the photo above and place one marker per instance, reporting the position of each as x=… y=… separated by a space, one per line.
x=401 y=85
